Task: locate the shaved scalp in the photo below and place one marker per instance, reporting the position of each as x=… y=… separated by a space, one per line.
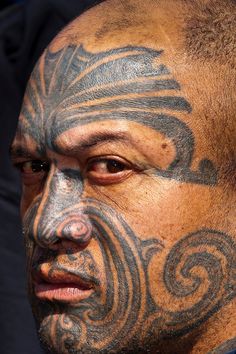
x=210 y=31
x=209 y=25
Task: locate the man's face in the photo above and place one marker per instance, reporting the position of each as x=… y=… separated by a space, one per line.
x=117 y=203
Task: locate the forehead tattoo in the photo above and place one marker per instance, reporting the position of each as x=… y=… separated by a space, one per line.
x=74 y=87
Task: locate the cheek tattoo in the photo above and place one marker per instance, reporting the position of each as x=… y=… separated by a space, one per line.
x=71 y=88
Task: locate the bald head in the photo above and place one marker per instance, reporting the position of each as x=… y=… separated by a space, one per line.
x=126 y=144
x=204 y=28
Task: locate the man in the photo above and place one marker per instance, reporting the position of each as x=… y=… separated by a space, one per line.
x=126 y=144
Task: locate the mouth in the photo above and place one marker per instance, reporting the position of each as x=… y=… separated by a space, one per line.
x=62 y=287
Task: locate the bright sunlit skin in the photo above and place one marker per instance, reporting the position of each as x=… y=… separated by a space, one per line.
x=126 y=147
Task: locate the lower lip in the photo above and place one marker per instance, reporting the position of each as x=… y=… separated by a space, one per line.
x=61 y=292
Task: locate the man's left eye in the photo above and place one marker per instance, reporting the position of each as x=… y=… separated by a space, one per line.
x=108 y=170
x=107 y=166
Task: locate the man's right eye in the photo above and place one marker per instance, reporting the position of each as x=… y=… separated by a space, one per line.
x=34 y=166
x=33 y=171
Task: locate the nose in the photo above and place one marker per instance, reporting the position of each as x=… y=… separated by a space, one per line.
x=59 y=215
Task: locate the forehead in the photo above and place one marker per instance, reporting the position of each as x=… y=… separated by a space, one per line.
x=75 y=87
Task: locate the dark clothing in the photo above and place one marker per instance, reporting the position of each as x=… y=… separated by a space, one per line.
x=25 y=30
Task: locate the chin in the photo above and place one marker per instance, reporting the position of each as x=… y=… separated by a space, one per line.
x=63 y=332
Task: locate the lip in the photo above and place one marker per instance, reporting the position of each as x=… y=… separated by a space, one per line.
x=66 y=292
x=61 y=287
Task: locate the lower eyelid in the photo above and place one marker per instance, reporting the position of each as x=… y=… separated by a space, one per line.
x=108 y=179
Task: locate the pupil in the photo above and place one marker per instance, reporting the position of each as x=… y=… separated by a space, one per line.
x=39 y=166
x=115 y=166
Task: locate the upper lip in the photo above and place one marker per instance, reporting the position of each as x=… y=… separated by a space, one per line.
x=62 y=276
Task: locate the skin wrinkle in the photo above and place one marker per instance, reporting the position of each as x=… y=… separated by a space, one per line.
x=135 y=204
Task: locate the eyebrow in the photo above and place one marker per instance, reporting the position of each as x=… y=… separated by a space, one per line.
x=91 y=141
x=20 y=152
x=96 y=139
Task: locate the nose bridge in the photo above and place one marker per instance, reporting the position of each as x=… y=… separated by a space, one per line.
x=64 y=189
x=58 y=215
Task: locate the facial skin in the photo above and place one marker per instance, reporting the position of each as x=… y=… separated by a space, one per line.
x=128 y=218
